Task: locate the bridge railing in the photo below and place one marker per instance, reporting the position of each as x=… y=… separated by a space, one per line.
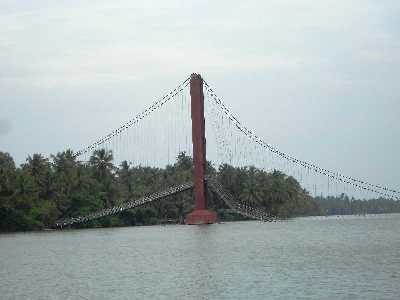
x=125 y=206
x=238 y=206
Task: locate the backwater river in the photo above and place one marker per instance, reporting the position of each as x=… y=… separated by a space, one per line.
x=338 y=257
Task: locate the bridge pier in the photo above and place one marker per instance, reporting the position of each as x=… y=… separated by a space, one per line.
x=200 y=215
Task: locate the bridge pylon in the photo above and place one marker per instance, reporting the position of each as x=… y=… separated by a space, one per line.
x=200 y=215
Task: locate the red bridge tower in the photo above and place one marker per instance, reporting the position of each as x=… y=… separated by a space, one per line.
x=200 y=215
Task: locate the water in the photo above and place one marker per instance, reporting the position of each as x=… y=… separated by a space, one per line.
x=306 y=258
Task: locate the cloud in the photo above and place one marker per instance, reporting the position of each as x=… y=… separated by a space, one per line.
x=310 y=61
x=5 y=126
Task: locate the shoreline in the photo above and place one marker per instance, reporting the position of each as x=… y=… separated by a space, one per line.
x=332 y=217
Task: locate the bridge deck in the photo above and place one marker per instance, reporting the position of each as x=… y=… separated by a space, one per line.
x=240 y=207
x=125 y=206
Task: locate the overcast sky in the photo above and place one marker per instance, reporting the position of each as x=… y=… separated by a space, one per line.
x=318 y=79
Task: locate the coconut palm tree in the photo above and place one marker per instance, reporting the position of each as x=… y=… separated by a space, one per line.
x=64 y=161
x=125 y=178
x=251 y=191
x=103 y=168
x=39 y=167
x=101 y=161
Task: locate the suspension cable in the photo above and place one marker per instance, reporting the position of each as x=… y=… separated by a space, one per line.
x=363 y=185
x=156 y=105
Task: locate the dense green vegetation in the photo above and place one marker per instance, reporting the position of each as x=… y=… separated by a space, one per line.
x=42 y=190
x=343 y=205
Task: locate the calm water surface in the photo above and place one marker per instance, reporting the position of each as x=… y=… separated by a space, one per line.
x=306 y=258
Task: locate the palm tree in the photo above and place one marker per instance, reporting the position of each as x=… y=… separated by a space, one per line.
x=64 y=161
x=65 y=179
x=7 y=174
x=39 y=167
x=251 y=191
x=101 y=161
x=125 y=177
x=102 y=166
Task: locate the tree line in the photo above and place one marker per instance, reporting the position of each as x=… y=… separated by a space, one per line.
x=344 y=205
x=43 y=190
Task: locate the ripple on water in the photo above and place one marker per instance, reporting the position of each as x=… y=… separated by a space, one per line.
x=352 y=257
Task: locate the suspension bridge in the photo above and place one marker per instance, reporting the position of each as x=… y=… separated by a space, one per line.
x=176 y=123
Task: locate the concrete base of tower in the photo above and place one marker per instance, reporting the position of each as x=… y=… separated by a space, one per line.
x=201 y=216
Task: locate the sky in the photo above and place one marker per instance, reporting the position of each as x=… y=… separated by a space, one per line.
x=317 y=79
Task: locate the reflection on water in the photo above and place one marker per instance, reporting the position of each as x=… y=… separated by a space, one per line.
x=352 y=257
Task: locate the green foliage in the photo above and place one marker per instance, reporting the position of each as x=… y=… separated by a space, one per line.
x=41 y=191
x=343 y=205
x=279 y=194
